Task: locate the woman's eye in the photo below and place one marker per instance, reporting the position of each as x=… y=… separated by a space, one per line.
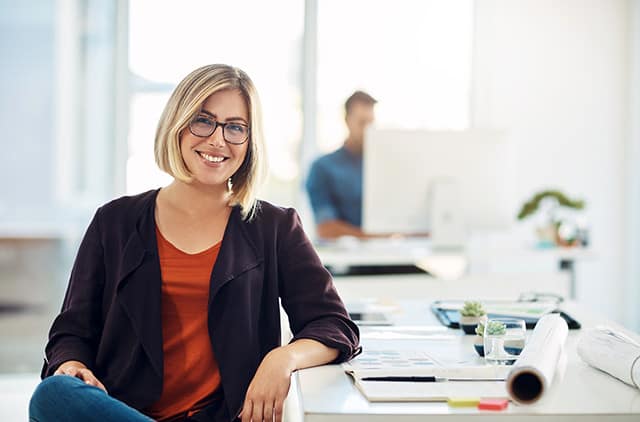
x=236 y=128
x=203 y=120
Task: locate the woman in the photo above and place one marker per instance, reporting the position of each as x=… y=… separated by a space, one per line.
x=172 y=309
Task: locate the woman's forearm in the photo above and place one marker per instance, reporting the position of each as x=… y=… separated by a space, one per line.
x=305 y=353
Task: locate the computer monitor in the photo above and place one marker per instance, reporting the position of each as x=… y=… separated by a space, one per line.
x=409 y=175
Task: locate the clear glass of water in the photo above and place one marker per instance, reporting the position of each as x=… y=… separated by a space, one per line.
x=503 y=340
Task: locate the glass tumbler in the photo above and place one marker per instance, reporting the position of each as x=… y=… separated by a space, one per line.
x=503 y=340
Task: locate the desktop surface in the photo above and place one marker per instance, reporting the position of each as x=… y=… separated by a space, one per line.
x=578 y=392
x=409 y=250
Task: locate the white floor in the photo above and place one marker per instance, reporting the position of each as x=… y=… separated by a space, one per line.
x=15 y=392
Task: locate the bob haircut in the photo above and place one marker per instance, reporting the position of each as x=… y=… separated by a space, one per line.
x=184 y=104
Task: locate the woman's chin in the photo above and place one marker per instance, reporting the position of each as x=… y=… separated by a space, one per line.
x=210 y=183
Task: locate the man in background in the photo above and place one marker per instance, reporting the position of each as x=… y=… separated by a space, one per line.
x=335 y=180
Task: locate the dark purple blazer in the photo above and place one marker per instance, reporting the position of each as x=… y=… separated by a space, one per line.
x=110 y=318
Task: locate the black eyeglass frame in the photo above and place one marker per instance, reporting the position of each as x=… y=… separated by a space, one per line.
x=223 y=126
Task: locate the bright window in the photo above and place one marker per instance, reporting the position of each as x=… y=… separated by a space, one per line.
x=414 y=57
x=170 y=39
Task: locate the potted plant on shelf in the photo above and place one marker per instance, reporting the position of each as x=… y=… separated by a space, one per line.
x=555 y=230
x=470 y=315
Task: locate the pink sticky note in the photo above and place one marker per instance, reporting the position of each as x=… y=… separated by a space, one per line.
x=493 y=404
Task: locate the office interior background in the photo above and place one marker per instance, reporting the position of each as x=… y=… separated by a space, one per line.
x=83 y=83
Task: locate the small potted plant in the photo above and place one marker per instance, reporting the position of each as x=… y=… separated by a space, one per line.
x=554 y=230
x=502 y=341
x=495 y=328
x=478 y=341
x=494 y=333
x=470 y=315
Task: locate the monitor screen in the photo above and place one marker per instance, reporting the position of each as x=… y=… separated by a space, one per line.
x=474 y=171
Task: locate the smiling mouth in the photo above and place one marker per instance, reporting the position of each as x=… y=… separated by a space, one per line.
x=212 y=158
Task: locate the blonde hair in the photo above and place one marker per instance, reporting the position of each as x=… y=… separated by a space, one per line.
x=185 y=102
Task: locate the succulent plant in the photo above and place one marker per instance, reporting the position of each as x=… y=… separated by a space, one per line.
x=531 y=206
x=480 y=329
x=472 y=309
x=496 y=328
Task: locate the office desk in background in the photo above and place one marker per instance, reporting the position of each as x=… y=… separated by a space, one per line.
x=35 y=260
x=578 y=393
x=342 y=254
x=30 y=256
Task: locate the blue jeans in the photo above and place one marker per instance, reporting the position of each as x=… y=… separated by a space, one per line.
x=64 y=398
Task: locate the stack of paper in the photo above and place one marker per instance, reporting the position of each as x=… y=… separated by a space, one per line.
x=383 y=391
x=612 y=351
x=407 y=376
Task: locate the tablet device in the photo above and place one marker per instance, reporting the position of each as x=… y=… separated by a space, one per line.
x=448 y=313
x=370 y=318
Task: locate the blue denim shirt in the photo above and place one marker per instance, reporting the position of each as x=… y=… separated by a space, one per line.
x=335 y=187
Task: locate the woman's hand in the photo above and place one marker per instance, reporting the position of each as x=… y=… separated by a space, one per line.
x=269 y=387
x=79 y=370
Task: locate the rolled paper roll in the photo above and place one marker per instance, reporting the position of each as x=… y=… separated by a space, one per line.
x=532 y=374
x=614 y=351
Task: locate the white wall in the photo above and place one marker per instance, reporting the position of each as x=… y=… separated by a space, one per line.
x=554 y=74
x=632 y=266
x=26 y=105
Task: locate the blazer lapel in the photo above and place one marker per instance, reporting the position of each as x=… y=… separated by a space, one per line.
x=139 y=288
x=238 y=254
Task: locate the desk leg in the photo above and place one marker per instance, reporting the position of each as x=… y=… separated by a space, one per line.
x=568 y=264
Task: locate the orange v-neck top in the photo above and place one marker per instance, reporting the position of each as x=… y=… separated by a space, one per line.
x=191 y=372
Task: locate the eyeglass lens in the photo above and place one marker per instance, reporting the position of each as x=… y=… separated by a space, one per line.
x=231 y=131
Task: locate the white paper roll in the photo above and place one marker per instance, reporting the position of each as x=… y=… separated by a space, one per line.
x=533 y=372
x=613 y=351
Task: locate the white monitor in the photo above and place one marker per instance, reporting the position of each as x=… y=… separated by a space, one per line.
x=471 y=171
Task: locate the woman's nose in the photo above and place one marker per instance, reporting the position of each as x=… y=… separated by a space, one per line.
x=216 y=139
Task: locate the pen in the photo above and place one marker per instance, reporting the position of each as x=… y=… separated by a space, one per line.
x=425 y=379
x=402 y=379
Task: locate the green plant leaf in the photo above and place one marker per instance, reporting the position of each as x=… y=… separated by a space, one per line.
x=472 y=309
x=496 y=328
x=531 y=206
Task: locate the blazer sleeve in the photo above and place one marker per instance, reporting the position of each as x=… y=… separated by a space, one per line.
x=75 y=332
x=308 y=295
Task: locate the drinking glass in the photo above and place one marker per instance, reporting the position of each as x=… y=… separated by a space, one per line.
x=503 y=340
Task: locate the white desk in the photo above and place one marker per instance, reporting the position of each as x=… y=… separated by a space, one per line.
x=579 y=392
x=352 y=252
x=479 y=287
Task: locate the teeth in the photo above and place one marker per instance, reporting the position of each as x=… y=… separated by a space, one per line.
x=211 y=158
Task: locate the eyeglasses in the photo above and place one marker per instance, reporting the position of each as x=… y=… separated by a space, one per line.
x=232 y=132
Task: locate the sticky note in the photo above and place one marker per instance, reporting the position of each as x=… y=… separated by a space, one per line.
x=463 y=401
x=493 y=404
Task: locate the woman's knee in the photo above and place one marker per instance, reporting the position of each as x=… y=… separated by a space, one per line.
x=48 y=393
x=57 y=384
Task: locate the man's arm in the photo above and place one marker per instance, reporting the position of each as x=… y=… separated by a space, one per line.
x=332 y=229
x=328 y=225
